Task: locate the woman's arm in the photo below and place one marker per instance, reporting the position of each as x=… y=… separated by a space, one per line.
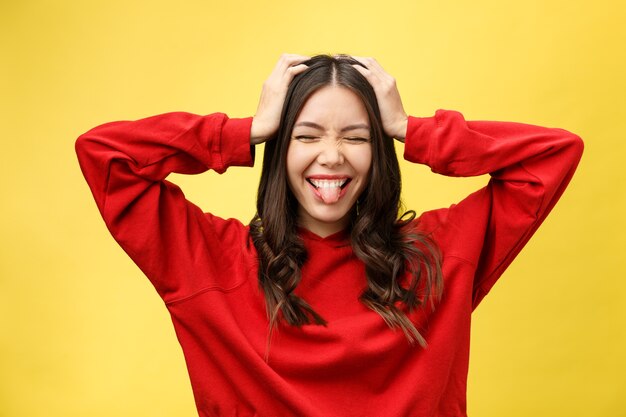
x=530 y=167
x=125 y=164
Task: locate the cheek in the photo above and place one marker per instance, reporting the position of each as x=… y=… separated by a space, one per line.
x=299 y=156
x=296 y=163
x=290 y=166
x=362 y=160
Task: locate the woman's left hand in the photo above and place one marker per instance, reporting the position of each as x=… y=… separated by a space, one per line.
x=392 y=112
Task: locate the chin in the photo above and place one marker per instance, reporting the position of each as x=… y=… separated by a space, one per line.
x=330 y=216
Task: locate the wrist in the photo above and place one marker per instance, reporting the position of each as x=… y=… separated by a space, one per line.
x=257 y=135
x=400 y=129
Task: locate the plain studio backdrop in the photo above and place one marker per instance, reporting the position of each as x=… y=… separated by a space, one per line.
x=83 y=333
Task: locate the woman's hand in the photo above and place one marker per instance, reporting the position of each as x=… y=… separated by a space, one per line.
x=267 y=117
x=392 y=112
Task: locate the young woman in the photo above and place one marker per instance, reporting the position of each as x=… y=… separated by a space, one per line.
x=298 y=313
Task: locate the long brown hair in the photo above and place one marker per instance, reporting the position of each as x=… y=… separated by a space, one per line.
x=390 y=247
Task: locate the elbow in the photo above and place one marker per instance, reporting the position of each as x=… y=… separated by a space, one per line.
x=577 y=146
x=82 y=146
x=574 y=140
x=91 y=158
x=572 y=144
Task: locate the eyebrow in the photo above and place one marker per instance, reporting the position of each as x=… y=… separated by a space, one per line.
x=345 y=129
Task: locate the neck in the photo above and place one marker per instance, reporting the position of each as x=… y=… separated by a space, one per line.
x=323 y=229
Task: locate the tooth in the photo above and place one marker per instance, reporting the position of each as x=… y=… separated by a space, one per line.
x=321 y=183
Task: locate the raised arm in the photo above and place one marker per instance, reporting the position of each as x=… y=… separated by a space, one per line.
x=125 y=164
x=530 y=167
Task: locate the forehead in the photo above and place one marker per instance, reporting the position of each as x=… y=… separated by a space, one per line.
x=332 y=106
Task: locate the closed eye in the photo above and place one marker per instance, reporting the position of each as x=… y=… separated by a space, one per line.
x=305 y=138
x=356 y=139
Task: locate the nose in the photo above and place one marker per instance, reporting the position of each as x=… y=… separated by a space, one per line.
x=330 y=153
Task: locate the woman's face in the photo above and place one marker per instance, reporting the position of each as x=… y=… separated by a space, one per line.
x=329 y=158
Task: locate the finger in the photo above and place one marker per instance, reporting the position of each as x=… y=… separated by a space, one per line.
x=296 y=69
x=291 y=72
x=364 y=71
x=288 y=60
x=365 y=60
x=286 y=68
x=371 y=77
x=374 y=67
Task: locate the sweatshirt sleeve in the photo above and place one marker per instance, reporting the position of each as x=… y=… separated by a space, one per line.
x=529 y=168
x=175 y=244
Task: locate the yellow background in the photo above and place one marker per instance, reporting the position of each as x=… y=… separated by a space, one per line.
x=82 y=332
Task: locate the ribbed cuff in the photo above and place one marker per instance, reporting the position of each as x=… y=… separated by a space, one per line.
x=235 y=145
x=417 y=141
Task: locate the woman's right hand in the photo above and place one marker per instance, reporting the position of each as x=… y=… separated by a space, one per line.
x=267 y=117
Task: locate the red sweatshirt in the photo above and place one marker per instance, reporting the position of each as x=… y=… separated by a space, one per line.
x=205 y=268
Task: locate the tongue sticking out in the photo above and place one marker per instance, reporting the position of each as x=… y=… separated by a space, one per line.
x=330 y=194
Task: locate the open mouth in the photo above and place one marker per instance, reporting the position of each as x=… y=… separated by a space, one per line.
x=329 y=190
x=329 y=183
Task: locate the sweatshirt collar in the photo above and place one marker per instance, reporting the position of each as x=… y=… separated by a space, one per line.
x=340 y=237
